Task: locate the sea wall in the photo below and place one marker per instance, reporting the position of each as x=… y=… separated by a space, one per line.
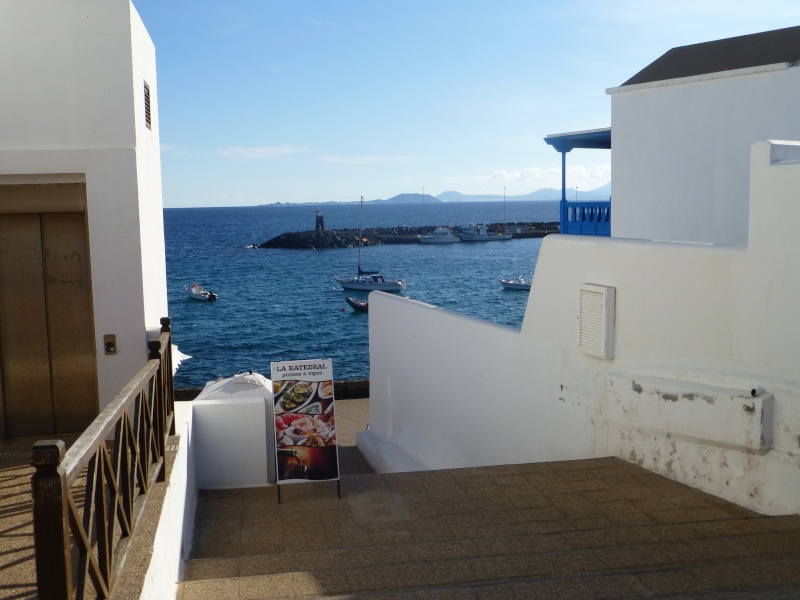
x=348 y=238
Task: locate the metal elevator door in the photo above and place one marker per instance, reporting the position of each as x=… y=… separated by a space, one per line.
x=48 y=368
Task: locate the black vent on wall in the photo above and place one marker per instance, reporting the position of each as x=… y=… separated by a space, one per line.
x=147 y=106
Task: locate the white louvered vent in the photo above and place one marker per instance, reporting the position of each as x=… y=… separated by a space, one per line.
x=596 y=320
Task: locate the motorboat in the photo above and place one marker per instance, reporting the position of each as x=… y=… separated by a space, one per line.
x=358 y=304
x=368 y=280
x=198 y=292
x=516 y=284
x=480 y=233
x=440 y=235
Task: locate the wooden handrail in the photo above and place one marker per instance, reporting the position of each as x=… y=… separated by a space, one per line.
x=87 y=501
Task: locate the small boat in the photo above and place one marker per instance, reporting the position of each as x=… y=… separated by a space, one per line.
x=480 y=233
x=358 y=304
x=368 y=280
x=198 y=292
x=440 y=235
x=516 y=284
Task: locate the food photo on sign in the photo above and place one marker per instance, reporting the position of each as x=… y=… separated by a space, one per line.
x=305 y=421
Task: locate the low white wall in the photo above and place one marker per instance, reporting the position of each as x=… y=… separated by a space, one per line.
x=454 y=391
x=700 y=321
x=173 y=540
x=230 y=443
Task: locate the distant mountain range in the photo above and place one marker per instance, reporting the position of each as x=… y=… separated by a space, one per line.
x=601 y=193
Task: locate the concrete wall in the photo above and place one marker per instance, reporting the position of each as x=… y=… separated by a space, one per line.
x=682 y=151
x=172 y=544
x=72 y=109
x=697 y=328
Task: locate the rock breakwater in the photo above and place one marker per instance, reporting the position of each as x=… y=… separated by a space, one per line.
x=348 y=238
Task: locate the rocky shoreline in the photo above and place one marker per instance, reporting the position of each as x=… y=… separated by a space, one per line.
x=348 y=238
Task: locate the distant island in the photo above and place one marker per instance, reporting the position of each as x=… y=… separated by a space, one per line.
x=601 y=193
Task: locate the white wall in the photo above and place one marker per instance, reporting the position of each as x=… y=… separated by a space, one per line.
x=72 y=108
x=453 y=391
x=172 y=543
x=694 y=324
x=682 y=151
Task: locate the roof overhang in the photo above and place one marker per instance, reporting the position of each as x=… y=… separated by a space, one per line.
x=592 y=138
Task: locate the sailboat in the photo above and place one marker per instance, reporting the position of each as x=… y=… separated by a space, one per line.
x=368 y=280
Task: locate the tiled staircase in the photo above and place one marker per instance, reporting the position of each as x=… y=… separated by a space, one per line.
x=581 y=529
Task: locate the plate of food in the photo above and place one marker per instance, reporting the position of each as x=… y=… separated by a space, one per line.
x=315 y=408
x=296 y=397
x=278 y=387
x=325 y=390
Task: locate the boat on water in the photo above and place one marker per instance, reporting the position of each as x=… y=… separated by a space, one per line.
x=368 y=280
x=480 y=233
x=440 y=235
x=357 y=304
x=516 y=284
x=198 y=292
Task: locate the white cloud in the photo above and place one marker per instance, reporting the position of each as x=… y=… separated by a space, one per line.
x=364 y=160
x=259 y=152
x=582 y=177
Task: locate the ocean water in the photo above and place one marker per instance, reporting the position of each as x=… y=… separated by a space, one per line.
x=277 y=304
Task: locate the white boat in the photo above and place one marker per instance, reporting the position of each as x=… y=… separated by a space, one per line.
x=198 y=292
x=516 y=284
x=440 y=235
x=368 y=280
x=480 y=233
x=371 y=282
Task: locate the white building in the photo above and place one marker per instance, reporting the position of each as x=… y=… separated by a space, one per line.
x=683 y=127
x=688 y=366
x=82 y=266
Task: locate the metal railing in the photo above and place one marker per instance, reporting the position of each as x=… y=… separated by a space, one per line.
x=586 y=218
x=87 y=501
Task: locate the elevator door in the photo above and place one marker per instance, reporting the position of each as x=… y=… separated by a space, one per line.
x=48 y=368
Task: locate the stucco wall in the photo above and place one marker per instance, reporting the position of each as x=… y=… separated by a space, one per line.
x=72 y=108
x=697 y=328
x=682 y=151
x=453 y=391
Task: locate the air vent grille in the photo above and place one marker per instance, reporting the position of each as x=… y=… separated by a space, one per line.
x=596 y=320
x=147 y=120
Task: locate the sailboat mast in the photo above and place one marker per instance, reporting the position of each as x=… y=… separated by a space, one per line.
x=360 y=223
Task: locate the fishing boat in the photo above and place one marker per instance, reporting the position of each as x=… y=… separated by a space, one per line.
x=440 y=235
x=368 y=280
x=198 y=292
x=480 y=233
x=516 y=284
x=358 y=304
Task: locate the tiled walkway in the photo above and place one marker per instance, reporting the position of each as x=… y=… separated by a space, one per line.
x=599 y=528
x=581 y=529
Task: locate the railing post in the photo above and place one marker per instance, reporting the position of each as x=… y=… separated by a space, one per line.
x=50 y=522
x=158 y=407
x=168 y=375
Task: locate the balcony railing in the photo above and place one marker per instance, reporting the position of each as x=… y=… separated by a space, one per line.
x=87 y=502
x=586 y=218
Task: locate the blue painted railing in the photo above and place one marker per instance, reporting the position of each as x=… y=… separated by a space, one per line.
x=586 y=218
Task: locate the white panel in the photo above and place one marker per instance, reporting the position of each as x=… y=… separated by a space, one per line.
x=596 y=320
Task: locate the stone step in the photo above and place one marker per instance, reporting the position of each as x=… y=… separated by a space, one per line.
x=456 y=578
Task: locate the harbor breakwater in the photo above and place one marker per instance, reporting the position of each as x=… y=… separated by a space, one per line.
x=348 y=238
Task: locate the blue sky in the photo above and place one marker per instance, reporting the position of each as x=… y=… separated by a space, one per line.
x=263 y=101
